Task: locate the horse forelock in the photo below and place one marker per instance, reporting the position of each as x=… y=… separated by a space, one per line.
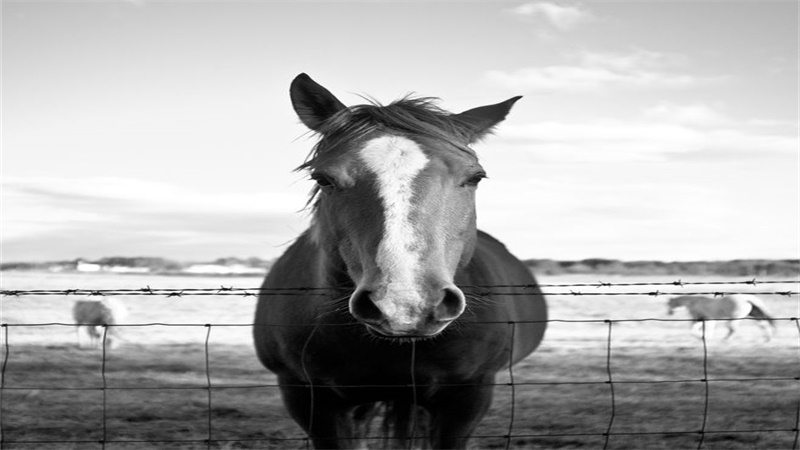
x=409 y=117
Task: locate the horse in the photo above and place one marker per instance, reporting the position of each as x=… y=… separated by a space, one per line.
x=381 y=308
x=731 y=308
x=90 y=315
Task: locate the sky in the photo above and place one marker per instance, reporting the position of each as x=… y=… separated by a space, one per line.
x=648 y=130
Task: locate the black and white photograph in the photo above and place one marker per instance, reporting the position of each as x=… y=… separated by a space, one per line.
x=257 y=224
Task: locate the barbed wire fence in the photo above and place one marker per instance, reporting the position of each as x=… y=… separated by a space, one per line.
x=509 y=435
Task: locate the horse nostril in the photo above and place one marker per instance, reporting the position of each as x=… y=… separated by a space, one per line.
x=364 y=309
x=452 y=304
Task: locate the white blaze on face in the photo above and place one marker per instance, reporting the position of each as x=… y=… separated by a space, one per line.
x=396 y=161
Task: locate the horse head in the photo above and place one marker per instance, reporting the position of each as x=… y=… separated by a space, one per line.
x=675 y=303
x=394 y=204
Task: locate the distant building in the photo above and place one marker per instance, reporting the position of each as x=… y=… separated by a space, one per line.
x=83 y=266
x=218 y=269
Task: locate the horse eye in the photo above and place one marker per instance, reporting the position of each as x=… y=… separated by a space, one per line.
x=474 y=179
x=322 y=180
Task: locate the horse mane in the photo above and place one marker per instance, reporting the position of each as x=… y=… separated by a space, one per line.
x=408 y=117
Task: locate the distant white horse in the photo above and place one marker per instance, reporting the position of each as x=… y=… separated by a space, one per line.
x=91 y=315
x=729 y=307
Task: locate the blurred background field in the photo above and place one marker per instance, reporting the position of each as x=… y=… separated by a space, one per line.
x=174 y=376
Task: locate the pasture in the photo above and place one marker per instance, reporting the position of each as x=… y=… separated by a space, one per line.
x=636 y=382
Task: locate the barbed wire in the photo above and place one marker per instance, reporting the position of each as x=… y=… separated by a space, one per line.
x=483 y=290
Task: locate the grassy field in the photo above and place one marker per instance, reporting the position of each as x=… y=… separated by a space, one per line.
x=175 y=383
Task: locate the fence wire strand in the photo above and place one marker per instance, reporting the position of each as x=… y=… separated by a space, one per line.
x=599 y=289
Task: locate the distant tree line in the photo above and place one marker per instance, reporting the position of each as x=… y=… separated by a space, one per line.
x=737 y=267
x=155 y=264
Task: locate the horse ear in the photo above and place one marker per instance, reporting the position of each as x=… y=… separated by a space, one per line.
x=313 y=103
x=478 y=122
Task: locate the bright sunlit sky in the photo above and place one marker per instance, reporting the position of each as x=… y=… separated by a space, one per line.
x=648 y=129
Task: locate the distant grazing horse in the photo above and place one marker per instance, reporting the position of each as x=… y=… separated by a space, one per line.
x=405 y=330
x=730 y=307
x=91 y=315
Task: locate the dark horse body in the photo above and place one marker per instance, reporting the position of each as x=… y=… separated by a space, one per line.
x=425 y=342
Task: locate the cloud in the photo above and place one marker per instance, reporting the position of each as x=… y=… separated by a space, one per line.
x=596 y=72
x=583 y=79
x=144 y=217
x=682 y=181
x=603 y=140
x=697 y=114
x=136 y=3
x=770 y=123
x=559 y=16
x=135 y=195
x=663 y=132
x=592 y=206
x=634 y=60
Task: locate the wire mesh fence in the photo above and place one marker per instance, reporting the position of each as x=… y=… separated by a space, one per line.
x=613 y=372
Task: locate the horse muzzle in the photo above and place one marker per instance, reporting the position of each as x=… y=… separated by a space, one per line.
x=406 y=315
